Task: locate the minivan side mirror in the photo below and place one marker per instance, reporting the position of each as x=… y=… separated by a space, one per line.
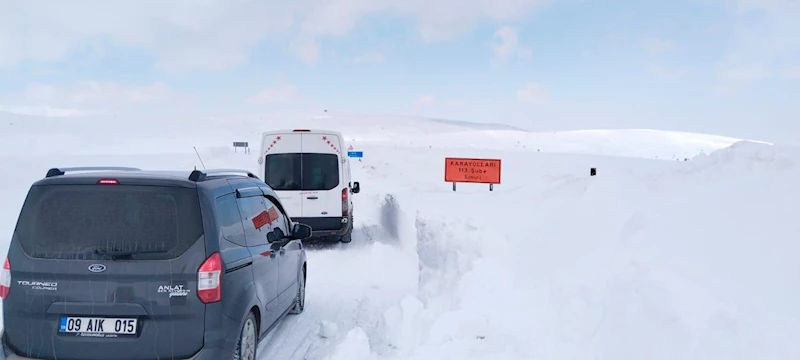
x=301 y=231
x=356 y=187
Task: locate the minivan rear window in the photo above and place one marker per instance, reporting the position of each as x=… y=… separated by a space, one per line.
x=78 y=221
x=302 y=171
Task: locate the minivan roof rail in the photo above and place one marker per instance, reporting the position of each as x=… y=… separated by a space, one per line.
x=198 y=175
x=61 y=171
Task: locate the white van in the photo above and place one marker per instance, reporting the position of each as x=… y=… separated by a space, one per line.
x=310 y=172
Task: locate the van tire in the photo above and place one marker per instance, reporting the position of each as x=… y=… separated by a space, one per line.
x=247 y=346
x=348 y=237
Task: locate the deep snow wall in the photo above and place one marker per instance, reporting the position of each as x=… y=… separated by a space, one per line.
x=692 y=260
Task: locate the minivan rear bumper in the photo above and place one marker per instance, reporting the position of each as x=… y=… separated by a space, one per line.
x=206 y=353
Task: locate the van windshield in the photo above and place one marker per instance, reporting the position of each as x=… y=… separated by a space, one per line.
x=96 y=221
x=302 y=171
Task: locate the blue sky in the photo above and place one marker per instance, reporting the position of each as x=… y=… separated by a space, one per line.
x=729 y=67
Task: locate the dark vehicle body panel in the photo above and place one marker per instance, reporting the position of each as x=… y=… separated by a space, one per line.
x=161 y=293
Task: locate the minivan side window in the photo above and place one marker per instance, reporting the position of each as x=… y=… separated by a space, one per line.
x=278 y=219
x=255 y=220
x=229 y=219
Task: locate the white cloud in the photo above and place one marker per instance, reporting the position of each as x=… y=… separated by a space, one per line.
x=505 y=43
x=278 y=94
x=184 y=35
x=739 y=73
x=90 y=97
x=217 y=34
x=764 y=32
x=372 y=57
x=664 y=72
x=792 y=73
x=97 y=93
x=46 y=111
x=658 y=46
x=532 y=93
x=425 y=100
x=306 y=48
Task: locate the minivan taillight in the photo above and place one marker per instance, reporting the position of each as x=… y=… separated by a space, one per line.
x=209 y=279
x=345 y=191
x=5 y=280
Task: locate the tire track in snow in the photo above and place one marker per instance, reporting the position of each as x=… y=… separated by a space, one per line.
x=297 y=336
x=348 y=285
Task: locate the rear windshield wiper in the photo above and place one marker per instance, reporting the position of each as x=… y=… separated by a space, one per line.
x=117 y=254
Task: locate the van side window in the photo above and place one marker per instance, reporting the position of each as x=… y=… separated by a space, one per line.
x=229 y=219
x=255 y=220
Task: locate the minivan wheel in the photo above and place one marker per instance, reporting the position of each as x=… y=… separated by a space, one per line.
x=248 y=340
x=300 y=299
x=346 y=238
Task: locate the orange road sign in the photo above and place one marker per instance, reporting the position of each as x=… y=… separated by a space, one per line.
x=462 y=170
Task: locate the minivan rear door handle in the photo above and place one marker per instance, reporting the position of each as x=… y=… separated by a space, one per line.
x=312 y=198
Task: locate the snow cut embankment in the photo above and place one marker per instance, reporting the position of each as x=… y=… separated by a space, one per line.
x=695 y=261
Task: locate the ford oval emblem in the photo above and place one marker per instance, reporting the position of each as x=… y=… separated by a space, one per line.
x=97 y=268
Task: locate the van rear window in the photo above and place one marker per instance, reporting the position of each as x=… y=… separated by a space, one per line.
x=95 y=221
x=283 y=172
x=306 y=171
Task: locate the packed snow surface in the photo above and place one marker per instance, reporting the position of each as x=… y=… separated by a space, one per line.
x=650 y=259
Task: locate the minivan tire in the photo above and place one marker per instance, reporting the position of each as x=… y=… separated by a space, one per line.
x=346 y=238
x=247 y=346
x=300 y=299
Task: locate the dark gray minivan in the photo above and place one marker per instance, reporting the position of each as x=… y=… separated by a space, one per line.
x=120 y=263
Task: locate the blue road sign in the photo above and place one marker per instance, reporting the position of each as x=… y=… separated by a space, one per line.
x=355 y=154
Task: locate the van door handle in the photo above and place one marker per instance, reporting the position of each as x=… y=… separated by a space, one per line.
x=312 y=198
x=283 y=251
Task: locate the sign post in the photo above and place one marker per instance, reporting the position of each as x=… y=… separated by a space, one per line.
x=241 y=144
x=466 y=170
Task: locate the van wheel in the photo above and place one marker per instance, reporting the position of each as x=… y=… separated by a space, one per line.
x=346 y=238
x=248 y=340
x=300 y=299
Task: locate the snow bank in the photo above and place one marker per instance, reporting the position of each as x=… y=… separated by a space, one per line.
x=690 y=261
x=748 y=156
x=354 y=346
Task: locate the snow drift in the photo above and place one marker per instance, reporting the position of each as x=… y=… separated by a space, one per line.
x=693 y=260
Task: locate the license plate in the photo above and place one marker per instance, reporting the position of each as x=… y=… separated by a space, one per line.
x=97 y=326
